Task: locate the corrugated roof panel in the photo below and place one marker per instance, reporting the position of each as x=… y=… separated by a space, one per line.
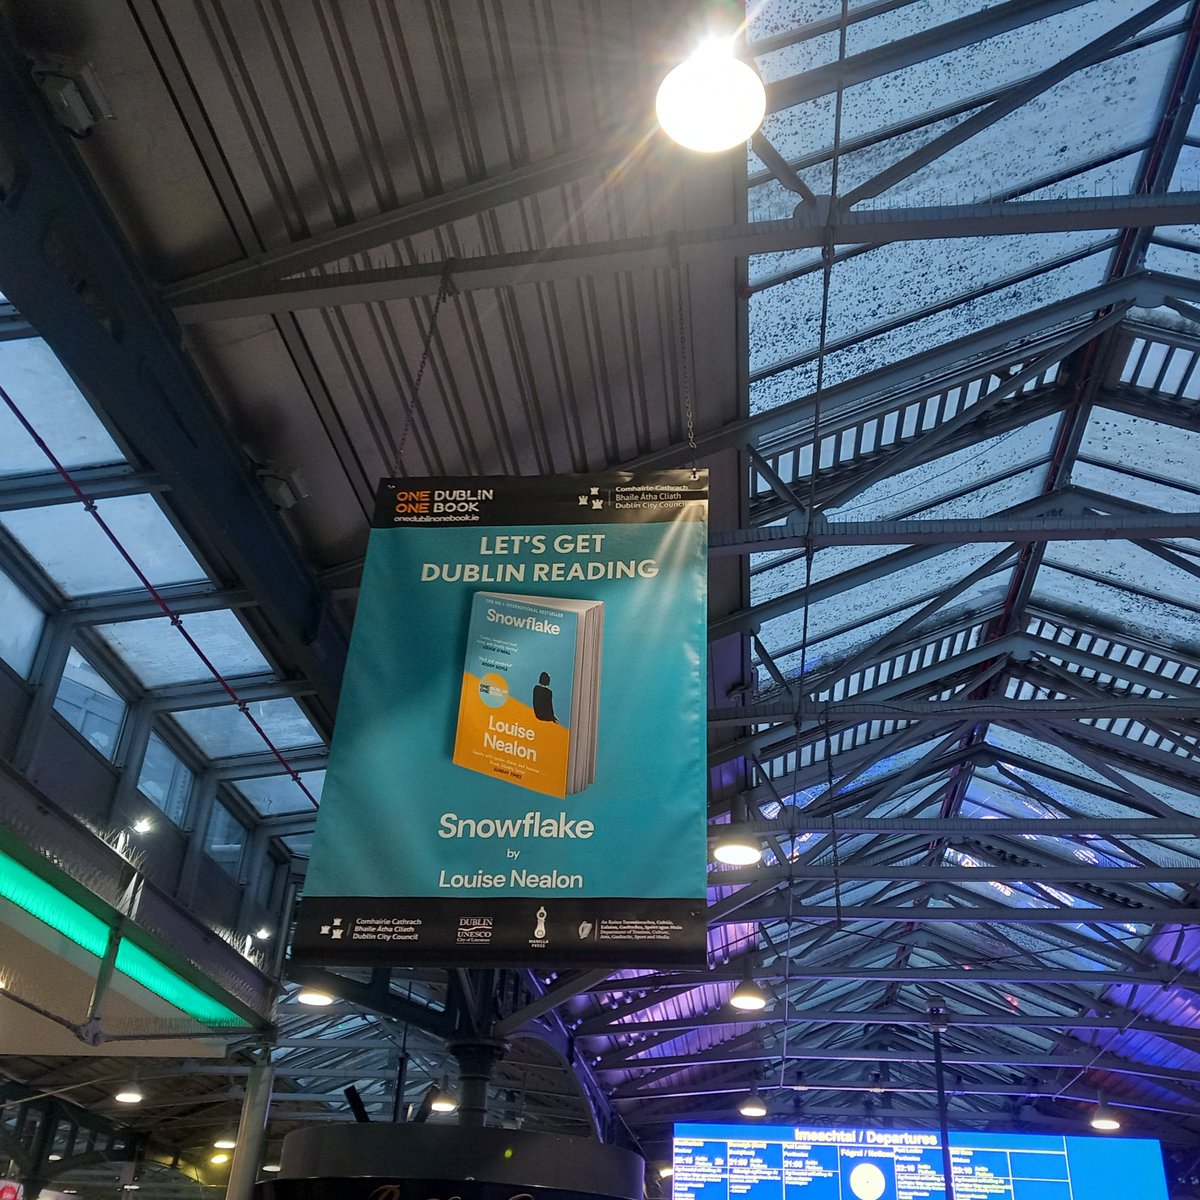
x=1125 y=563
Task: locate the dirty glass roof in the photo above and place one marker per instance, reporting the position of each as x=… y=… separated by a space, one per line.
x=971 y=693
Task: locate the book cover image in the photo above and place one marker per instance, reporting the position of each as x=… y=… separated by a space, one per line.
x=528 y=711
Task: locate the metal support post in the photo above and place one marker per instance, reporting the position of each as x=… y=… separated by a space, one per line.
x=476 y=1057
x=252 y=1130
x=937 y=1020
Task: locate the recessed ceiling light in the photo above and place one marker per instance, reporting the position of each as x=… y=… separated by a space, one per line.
x=272 y=1167
x=219 y=1158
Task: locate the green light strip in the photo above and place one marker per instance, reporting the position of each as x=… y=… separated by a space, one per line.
x=44 y=901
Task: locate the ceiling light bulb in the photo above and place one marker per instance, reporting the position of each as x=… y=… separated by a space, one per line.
x=753 y=1104
x=54 y=1158
x=1105 y=1118
x=143 y=825
x=711 y=101
x=738 y=849
x=129 y=1093
x=749 y=996
x=443 y=1102
x=314 y=998
x=262 y=933
x=666 y=1172
x=219 y=1158
x=225 y=1142
x=271 y=1167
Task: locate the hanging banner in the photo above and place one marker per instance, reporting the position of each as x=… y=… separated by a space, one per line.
x=518 y=773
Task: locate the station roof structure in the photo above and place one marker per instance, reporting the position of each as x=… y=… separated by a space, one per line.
x=936 y=335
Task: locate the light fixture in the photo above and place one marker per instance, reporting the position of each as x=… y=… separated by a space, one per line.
x=131 y=1187
x=226 y=1141
x=314 y=998
x=666 y=1171
x=54 y=1158
x=219 y=1158
x=442 y=1101
x=1104 y=1116
x=736 y=845
x=712 y=101
x=129 y=1093
x=753 y=1105
x=143 y=825
x=262 y=933
x=271 y=1167
x=749 y=995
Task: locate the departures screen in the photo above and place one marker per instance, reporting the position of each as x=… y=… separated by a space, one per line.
x=766 y=1162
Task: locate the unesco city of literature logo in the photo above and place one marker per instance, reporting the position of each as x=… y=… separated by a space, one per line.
x=474 y=930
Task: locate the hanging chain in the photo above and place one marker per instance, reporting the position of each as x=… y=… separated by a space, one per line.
x=445 y=287
x=685 y=361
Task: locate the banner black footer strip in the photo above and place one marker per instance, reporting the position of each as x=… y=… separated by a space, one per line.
x=501 y=931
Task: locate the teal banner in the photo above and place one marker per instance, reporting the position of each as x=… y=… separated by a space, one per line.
x=517 y=773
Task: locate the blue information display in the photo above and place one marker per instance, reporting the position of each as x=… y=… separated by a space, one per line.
x=779 y=1162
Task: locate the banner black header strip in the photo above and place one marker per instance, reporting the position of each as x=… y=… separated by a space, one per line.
x=606 y=498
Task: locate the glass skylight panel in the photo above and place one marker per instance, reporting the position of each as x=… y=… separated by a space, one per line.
x=922 y=487
x=164 y=780
x=1141 y=616
x=225 y=840
x=891 y=282
x=1166 y=451
x=278 y=795
x=1183 y=801
x=1171 y=261
x=21 y=627
x=1032 y=142
x=918 y=334
x=222 y=731
x=158 y=655
x=992 y=498
x=1040 y=751
x=1126 y=563
x=90 y=703
x=73 y=550
x=32 y=375
x=1126 y=485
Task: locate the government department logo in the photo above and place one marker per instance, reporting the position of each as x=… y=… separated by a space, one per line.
x=474 y=930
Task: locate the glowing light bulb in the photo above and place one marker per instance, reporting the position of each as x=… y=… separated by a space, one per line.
x=711 y=101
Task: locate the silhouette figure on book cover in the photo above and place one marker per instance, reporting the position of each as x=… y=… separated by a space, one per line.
x=543 y=699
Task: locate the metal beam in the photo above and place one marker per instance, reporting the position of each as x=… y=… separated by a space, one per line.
x=852 y=871
x=999 y=709
x=956 y=828
x=66 y=265
x=778 y=909
x=955 y=531
x=808 y=230
x=45 y=488
x=432 y=212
